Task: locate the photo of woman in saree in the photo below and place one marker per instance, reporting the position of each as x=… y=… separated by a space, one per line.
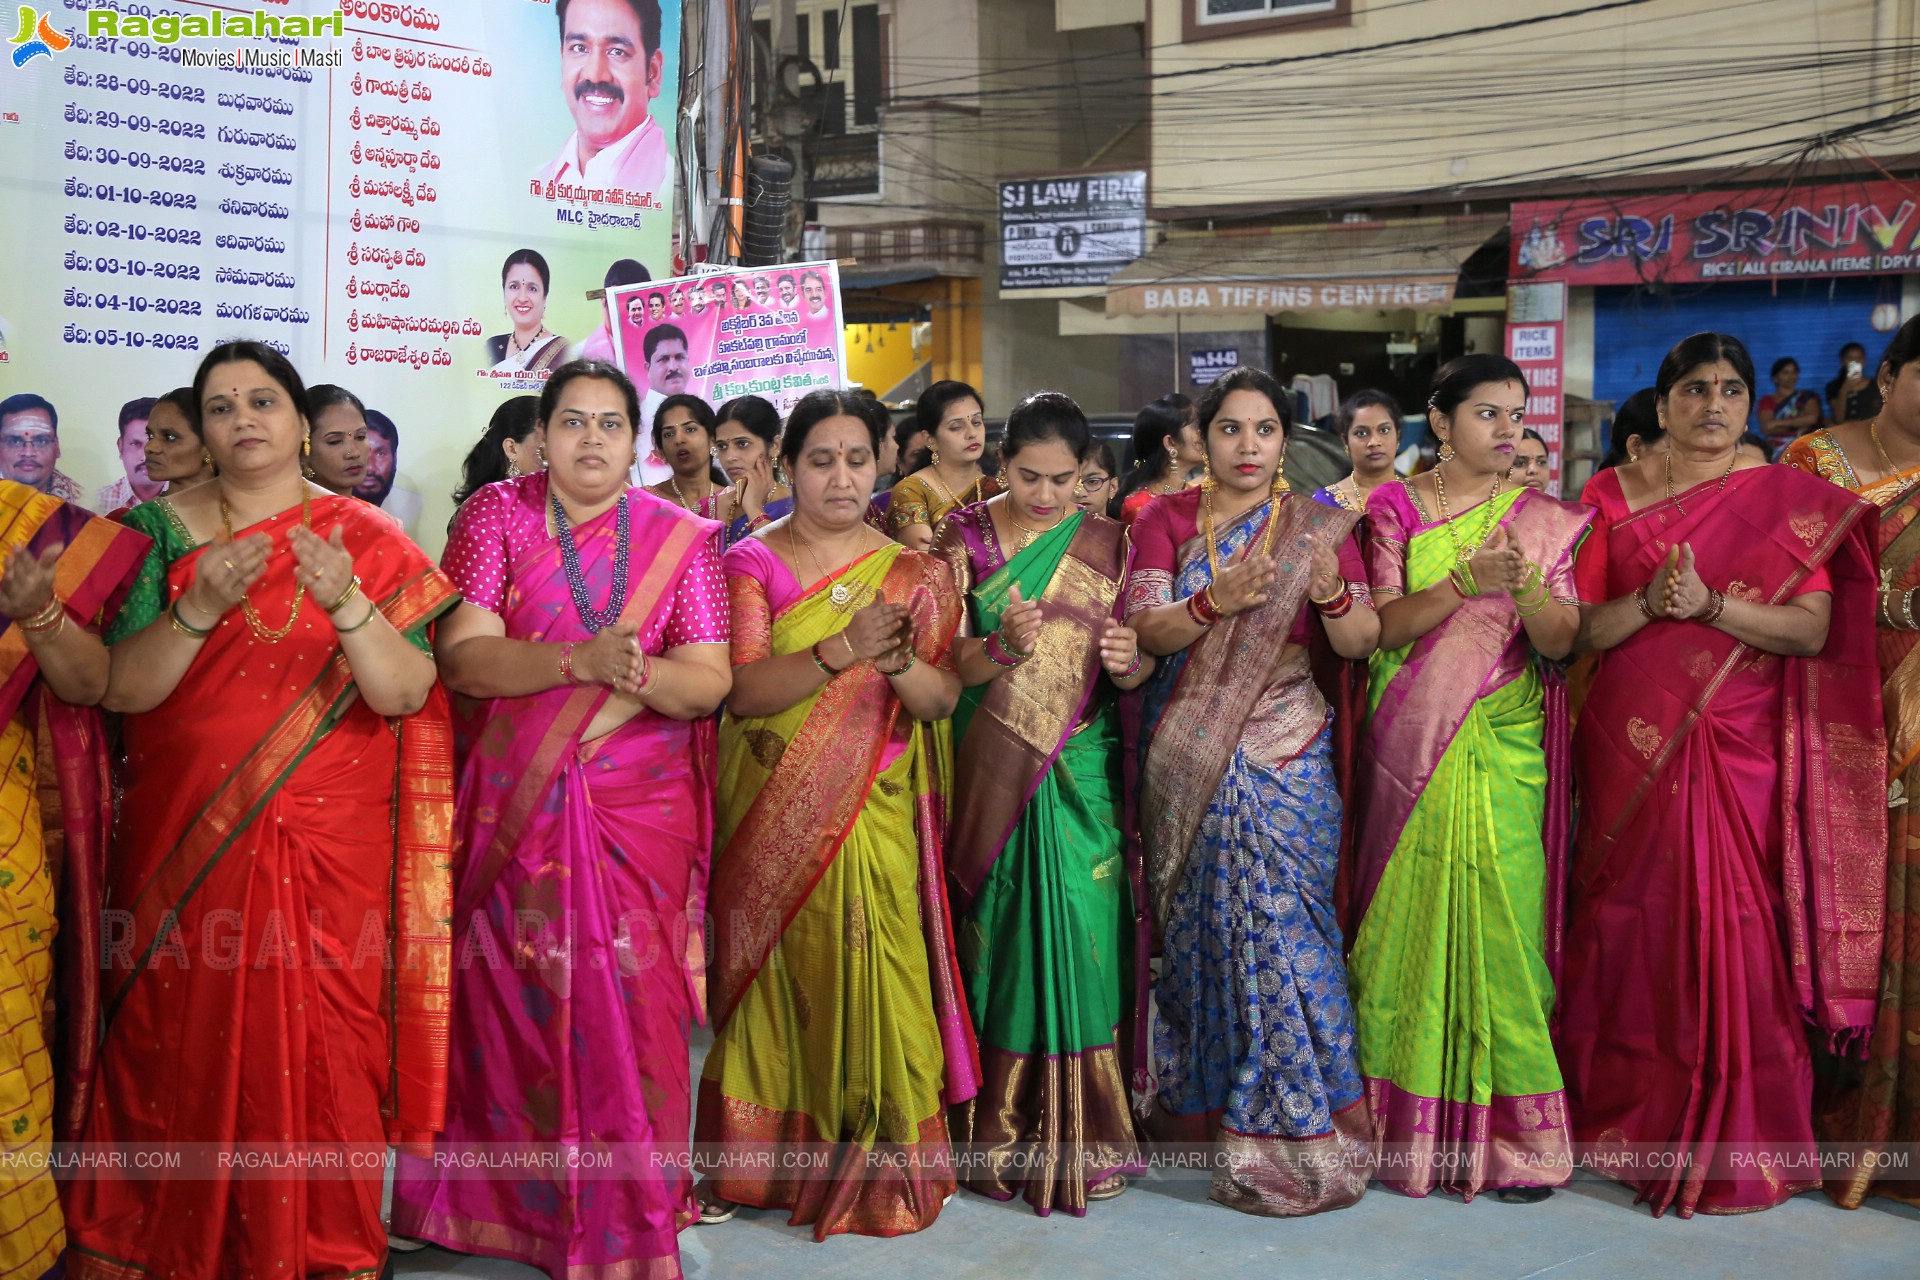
x=1037 y=858
x=282 y=857
x=1728 y=878
x=1461 y=863
x=840 y=1021
x=593 y=626
x=1878 y=1104
x=64 y=568
x=1240 y=817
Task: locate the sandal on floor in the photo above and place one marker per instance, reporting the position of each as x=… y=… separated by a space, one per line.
x=1107 y=1188
x=714 y=1211
x=1523 y=1195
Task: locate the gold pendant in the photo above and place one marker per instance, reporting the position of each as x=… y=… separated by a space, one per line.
x=840 y=595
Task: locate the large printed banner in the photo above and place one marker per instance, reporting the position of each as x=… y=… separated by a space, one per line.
x=1838 y=229
x=772 y=332
x=413 y=204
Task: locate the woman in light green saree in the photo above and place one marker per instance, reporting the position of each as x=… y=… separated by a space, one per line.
x=840 y=1032
x=1036 y=860
x=1462 y=855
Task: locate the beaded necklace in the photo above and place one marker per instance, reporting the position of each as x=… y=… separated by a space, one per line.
x=595 y=620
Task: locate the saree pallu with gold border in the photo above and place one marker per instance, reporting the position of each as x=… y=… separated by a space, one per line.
x=1461 y=868
x=1877 y=1103
x=580 y=952
x=1241 y=825
x=1037 y=861
x=840 y=1018
x=277 y=946
x=1729 y=877
x=55 y=817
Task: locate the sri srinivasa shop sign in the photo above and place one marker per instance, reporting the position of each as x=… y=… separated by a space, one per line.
x=1840 y=229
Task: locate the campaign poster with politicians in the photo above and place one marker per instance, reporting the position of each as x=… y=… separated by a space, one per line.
x=772 y=332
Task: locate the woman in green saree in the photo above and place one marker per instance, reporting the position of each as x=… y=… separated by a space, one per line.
x=840 y=1029
x=1462 y=853
x=1036 y=859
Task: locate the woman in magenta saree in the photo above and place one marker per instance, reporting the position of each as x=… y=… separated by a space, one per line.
x=1727 y=882
x=594 y=622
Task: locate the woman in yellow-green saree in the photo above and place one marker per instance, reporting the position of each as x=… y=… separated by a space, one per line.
x=841 y=1031
x=1462 y=854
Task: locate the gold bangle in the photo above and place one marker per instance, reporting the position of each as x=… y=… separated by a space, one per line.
x=353 y=589
x=46 y=617
x=360 y=625
x=184 y=627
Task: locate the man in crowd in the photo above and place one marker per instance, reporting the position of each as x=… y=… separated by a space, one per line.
x=134 y=487
x=610 y=72
x=30 y=447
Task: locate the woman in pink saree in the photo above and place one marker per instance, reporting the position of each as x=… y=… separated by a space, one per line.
x=594 y=623
x=1727 y=879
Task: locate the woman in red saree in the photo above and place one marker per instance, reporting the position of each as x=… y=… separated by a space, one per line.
x=1878 y=1103
x=593 y=622
x=276 y=956
x=1727 y=879
x=64 y=568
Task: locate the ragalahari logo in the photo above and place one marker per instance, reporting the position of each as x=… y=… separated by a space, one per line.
x=36 y=37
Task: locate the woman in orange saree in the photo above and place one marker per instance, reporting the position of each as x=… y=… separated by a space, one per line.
x=840 y=1022
x=64 y=568
x=1727 y=879
x=275 y=960
x=1878 y=1105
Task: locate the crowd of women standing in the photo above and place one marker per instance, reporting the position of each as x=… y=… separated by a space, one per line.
x=1428 y=831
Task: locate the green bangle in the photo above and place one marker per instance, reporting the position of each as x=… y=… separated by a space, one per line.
x=186 y=628
x=911 y=659
x=360 y=625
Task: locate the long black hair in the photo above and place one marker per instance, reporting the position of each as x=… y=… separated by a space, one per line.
x=1904 y=349
x=702 y=413
x=1636 y=416
x=486 y=462
x=1157 y=422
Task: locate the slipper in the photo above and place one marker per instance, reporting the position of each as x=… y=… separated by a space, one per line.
x=716 y=1211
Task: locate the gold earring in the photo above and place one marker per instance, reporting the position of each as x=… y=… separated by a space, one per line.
x=206 y=460
x=1280 y=486
x=1001 y=479
x=306 y=445
x=1446 y=451
x=936 y=456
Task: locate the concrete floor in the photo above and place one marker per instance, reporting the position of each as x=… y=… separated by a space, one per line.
x=1165 y=1228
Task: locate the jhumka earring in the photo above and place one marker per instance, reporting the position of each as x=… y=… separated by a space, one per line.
x=936 y=456
x=306 y=445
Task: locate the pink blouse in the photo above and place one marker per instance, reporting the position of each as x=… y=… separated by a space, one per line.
x=505 y=522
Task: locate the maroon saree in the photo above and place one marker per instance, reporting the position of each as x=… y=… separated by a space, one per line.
x=1727 y=881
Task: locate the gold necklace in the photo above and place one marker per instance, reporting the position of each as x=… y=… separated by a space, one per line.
x=840 y=593
x=1886 y=459
x=1716 y=489
x=254 y=624
x=1028 y=534
x=1465 y=551
x=1206 y=517
x=947 y=493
